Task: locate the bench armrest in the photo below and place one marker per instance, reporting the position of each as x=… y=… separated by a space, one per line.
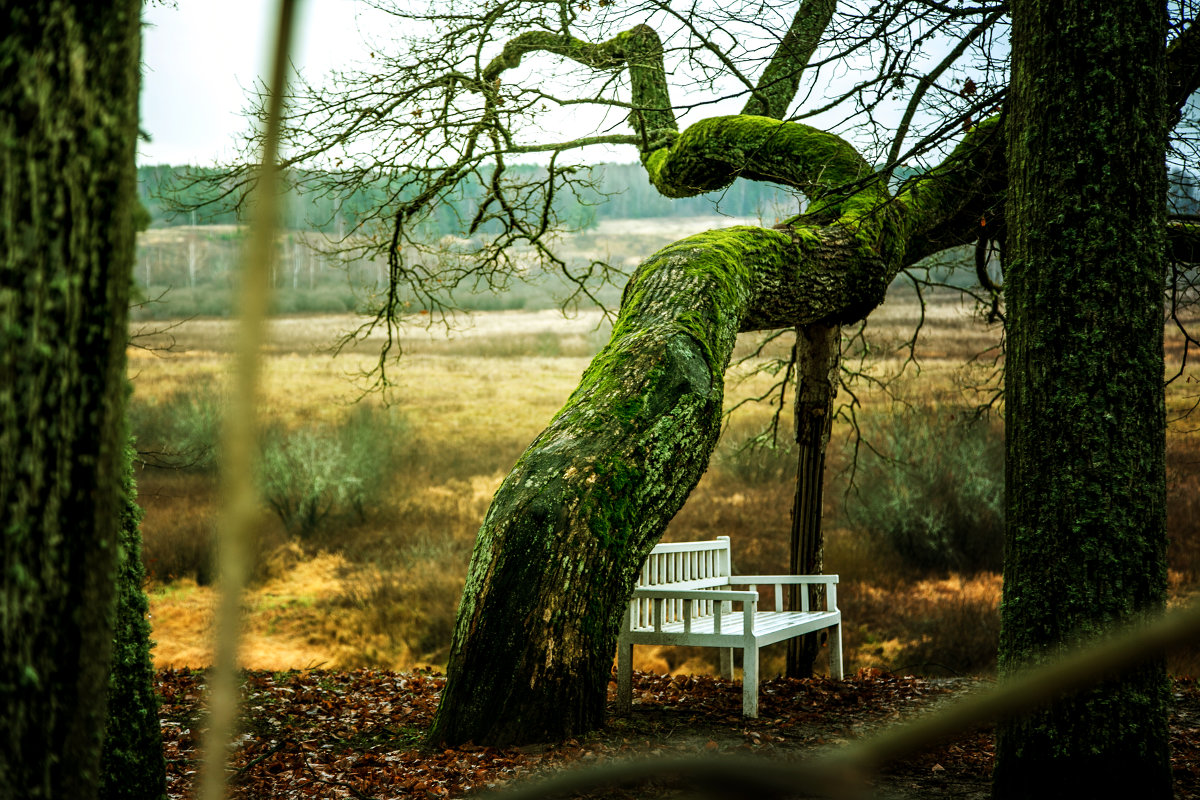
x=738 y=580
x=694 y=594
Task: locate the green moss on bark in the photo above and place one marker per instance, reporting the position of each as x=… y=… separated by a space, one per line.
x=132 y=767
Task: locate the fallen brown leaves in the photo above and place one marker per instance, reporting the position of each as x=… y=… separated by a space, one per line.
x=360 y=734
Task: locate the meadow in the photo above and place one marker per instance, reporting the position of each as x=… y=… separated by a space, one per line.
x=372 y=501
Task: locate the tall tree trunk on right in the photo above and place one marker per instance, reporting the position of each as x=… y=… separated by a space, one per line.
x=1084 y=397
x=68 y=131
x=818 y=348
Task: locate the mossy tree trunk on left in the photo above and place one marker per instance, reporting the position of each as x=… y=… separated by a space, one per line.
x=69 y=75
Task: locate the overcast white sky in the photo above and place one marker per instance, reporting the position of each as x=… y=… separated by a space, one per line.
x=201 y=57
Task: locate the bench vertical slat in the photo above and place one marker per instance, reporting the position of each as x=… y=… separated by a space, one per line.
x=625 y=671
x=673 y=577
x=709 y=571
x=779 y=597
x=749 y=661
x=803 y=589
x=687 y=616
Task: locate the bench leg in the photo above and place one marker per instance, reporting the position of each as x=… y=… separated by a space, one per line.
x=726 y=662
x=750 y=682
x=624 y=678
x=835 y=652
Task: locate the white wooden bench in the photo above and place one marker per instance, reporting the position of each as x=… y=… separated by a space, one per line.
x=684 y=597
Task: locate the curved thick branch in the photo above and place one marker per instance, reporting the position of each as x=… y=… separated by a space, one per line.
x=946 y=206
x=638 y=49
x=710 y=154
x=781 y=79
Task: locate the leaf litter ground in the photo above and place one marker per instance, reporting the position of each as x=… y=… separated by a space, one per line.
x=360 y=734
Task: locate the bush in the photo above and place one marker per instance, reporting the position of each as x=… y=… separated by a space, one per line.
x=757 y=464
x=179 y=432
x=307 y=476
x=931 y=488
x=178 y=534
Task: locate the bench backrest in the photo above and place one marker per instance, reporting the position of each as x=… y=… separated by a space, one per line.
x=681 y=565
x=687 y=565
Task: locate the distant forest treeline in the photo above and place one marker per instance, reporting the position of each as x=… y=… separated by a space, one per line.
x=186 y=265
x=621 y=191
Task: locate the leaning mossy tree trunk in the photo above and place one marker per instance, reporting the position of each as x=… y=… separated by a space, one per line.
x=559 y=549
x=1085 y=541
x=68 y=131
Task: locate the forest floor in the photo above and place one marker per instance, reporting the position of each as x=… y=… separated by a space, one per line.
x=360 y=735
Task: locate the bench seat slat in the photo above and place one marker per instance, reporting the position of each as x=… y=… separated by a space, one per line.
x=765 y=623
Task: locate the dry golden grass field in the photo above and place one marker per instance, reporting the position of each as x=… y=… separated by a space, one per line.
x=364 y=564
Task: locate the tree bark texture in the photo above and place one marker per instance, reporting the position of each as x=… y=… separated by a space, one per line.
x=68 y=130
x=818 y=350
x=1085 y=540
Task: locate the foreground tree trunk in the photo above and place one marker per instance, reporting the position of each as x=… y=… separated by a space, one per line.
x=1084 y=395
x=68 y=129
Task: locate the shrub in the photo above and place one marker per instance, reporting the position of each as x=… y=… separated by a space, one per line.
x=178 y=535
x=179 y=432
x=927 y=627
x=758 y=460
x=931 y=487
x=307 y=476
